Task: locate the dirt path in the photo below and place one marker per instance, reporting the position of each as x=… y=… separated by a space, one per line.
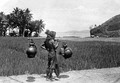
x=106 y=75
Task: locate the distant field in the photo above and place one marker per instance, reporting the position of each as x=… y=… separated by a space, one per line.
x=87 y=39
x=91 y=39
x=88 y=53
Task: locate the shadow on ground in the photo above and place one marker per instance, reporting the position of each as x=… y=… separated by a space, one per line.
x=30 y=79
x=63 y=76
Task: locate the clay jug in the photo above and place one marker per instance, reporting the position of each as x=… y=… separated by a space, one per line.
x=32 y=50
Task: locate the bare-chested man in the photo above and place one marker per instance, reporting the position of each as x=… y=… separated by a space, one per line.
x=51 y=45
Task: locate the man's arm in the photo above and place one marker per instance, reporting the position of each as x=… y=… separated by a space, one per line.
x=43 y=46
x=62 y=51
x=54 y=43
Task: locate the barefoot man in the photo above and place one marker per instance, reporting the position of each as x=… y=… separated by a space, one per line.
x=50 y=44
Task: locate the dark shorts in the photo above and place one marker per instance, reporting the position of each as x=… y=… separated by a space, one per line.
x=52 y=60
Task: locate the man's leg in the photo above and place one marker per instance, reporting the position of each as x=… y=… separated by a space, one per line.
x=47 y=72
x=57 y=71
x=50 y=73
x=52 y=66
x=48 y=69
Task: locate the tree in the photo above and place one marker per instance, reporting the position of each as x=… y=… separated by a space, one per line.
x=39 y=25
x=3 y=23
x=36 y=26
x=20 y=18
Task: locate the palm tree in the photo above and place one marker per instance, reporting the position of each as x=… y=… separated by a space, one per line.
x=39 y=26
x=3 y=23
x=20 y=18
x=36 y=26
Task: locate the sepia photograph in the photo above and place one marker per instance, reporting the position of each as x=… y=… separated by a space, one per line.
x=59 y=41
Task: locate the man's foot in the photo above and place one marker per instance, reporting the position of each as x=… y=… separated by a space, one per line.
x=57 y=78
x=49 y=79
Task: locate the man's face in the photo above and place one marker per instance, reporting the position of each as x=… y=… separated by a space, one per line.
x=49 y=37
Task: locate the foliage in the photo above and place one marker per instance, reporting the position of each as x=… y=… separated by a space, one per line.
x=110 y=28
x=3 y=23
x=36 y=26
x=21 y=18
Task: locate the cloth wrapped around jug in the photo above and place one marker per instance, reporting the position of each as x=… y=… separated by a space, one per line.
x=66 y=52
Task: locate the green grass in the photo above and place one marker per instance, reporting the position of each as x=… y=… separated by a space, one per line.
x=86 y=55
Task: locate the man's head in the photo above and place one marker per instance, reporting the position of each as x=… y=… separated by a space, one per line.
x=47 y=32
x=52 y=34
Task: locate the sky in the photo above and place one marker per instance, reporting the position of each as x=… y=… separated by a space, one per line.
x=66 y=15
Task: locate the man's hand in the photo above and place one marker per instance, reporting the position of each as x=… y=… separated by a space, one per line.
x=43 y=46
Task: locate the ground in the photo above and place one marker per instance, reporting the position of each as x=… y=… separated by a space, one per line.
x=105 y=75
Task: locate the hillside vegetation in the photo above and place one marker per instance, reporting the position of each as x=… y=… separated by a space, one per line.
x=86 y=55
x=110 y=28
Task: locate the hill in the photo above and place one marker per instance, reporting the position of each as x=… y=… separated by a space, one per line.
x=84 y=33
x=74 y=33
x=110 y=28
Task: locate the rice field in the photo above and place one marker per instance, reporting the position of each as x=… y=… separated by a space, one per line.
x=88 y=53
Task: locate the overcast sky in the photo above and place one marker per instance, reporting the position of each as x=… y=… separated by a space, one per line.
x=66 y=15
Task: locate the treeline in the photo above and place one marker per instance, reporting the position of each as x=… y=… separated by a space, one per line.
x=20 y=19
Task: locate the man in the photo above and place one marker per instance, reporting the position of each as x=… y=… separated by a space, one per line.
x=51 y=45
